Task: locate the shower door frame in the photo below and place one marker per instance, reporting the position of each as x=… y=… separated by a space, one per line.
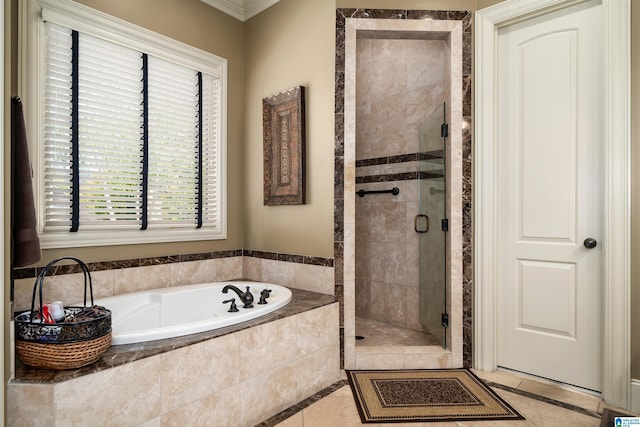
x=453 y=30
x=616 y=247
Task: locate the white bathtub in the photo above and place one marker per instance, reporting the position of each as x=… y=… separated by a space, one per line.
x=172 y=312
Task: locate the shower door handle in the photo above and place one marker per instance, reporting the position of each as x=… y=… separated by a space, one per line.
x=416 y=224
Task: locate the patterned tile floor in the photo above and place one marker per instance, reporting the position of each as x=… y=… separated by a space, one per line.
x=543 y=404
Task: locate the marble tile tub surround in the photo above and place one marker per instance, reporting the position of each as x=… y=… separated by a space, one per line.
x=124 y=276
x=236 y=379
x=340 y=215
x=302 y=301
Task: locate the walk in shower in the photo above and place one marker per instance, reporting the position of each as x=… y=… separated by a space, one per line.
x=402 y=303
x=401 y=221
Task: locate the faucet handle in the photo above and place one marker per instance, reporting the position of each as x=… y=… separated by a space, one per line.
x=233 y=307
x=264 y=294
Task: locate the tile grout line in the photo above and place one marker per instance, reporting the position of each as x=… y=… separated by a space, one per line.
x=543 y=399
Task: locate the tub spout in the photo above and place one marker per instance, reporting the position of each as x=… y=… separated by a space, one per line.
x=245 y=297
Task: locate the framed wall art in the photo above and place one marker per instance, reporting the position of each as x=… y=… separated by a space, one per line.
x=283 y=121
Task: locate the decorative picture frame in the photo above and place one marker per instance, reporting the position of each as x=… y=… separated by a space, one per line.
x=283 y=121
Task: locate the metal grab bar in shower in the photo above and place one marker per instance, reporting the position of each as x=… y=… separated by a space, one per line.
x=395 y=191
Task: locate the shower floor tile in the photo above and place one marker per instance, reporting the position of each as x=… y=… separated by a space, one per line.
x=378 y=333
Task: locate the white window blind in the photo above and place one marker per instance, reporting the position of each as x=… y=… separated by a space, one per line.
x=57 y=129
x=148 y=139
x=174 y=130
x=109 y=133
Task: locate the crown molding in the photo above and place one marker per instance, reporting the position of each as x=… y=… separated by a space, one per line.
x=241 y=9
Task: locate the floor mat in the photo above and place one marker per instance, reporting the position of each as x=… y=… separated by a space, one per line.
x=426 y=395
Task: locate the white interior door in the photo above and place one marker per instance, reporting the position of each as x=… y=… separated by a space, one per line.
x=550 y=162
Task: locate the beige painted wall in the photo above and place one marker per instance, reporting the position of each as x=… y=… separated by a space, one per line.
x=197 y=24
x=290 y=44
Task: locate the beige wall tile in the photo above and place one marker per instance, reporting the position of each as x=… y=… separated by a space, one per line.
x=252 y=268
x=267 y=393
x=266 y=346
x=280 y=273
x=389 y=303
x=363 y=301
x=22 y=292
x=30 y=405
x=198 y=371
x=317 y=370
x=205 y=271
x=217 y=410
x=156 y=422
x=388 y=262
x=317 y=329
x=391 y=103
x=314 y=278
x=125 y=395
x=413 y=309
x=141 y=278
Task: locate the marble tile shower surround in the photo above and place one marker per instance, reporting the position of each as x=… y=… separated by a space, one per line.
x=399 y=83
x=124 y=276
x=343 y=215
x=387 y=260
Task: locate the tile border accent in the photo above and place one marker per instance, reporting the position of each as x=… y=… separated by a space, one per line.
x=401 y=158
x=404 y=176
x=544 y=399
x=292 y=410
x=32 y=272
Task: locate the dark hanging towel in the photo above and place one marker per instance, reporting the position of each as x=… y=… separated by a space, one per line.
x=26 y=245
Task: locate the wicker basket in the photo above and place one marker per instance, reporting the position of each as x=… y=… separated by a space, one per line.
x=63 y=345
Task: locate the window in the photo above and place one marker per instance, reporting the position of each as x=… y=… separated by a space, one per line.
x=128 y=128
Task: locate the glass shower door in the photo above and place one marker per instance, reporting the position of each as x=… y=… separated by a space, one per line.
x=431 y=224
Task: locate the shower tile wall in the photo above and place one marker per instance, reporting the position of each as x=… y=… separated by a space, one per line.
x=399 y=83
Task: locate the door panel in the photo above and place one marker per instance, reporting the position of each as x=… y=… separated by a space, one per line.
x=548 y=135
x=550 y=179
x=538 y=313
